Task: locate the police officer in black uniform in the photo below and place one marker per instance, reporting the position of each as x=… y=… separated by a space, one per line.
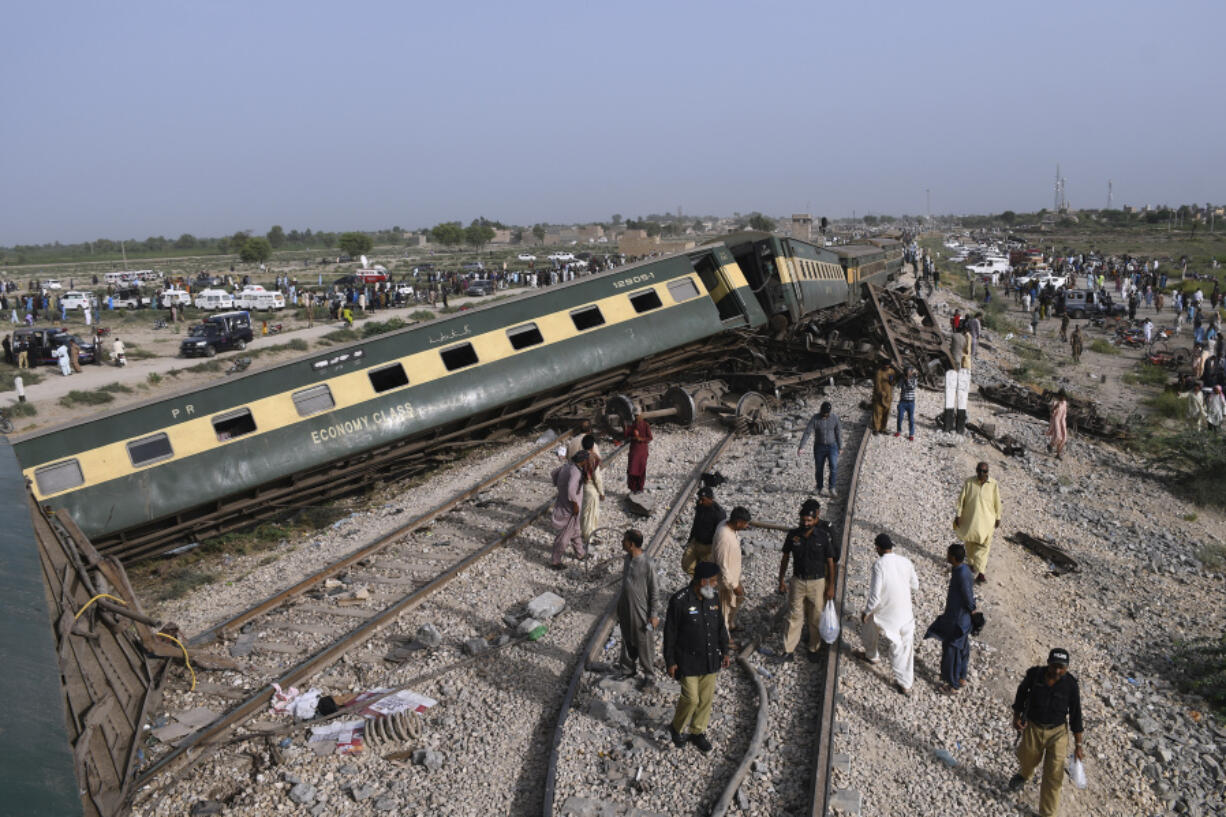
x=811 y=548
x=695 y=649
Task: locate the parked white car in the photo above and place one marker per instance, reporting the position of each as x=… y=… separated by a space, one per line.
x=526 y=256
x=52 y=284
x=561 y=256
x=75 y=300
x=214 y=299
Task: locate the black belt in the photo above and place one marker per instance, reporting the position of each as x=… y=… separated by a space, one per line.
x=1048 y=725
x=807 y=578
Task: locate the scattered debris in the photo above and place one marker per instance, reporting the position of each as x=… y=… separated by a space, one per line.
x=1059 y=560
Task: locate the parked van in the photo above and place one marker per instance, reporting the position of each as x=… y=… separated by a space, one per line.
x=256 y=297
x=214 y=299
x=217 y=333
x=174 y=297
x=130 y=299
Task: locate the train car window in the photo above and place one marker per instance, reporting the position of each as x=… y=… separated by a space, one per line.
x=233 y=424
x=645 y=301
x=313 y=400
x=682 y=289
x=150 y=449
x=389 y=377
x=522 y=337
x=587 y=318
x=58 y=477
x=457 y=357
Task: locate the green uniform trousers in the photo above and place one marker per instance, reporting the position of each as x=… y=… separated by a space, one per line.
x=694 y=708
x=805 y=600
x=1047 y=745
x=695 y=552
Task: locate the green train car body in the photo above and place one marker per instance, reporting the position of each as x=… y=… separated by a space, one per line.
x=156 y=460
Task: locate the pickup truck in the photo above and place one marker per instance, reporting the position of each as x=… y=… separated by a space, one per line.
x=1081 y=303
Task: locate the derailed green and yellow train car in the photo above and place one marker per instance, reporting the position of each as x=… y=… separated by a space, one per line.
x=174 y=458
x=791 y=278
x=893 y=248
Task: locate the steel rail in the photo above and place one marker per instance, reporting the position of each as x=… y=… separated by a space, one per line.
x=604 y=624
x=365 y=551
x=825 y=737
x=824 y=731
x=336 y=650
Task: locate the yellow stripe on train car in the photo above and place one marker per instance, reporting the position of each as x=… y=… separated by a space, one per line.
x=277 y=411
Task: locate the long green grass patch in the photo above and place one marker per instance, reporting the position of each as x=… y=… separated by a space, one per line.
x=86 y=398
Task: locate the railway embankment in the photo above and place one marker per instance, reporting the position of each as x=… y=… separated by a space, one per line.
x=1147 y=583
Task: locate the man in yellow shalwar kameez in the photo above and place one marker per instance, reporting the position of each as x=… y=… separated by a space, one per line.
x=978 y=518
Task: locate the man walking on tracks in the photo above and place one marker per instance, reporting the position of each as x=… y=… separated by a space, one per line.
x=707 y=516
x=1046 y=707
x=695 y=649
x=827 y=440
x=1075 y=344
x=954 y=624
x=638 y=434
x=726 y=553
x=978 y=518
x=883 y=395
x=636 y=608
x=813 y=578
x=889 y=606
x=568 y=479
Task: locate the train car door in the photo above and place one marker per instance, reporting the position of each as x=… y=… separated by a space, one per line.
x=727 y=299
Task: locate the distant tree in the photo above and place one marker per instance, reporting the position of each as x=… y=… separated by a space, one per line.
x=354 y=243
x=187 y=241
x=757 y=221
x=870 y=221
x=448 y=233
x=255 y=250
x=397 y=229
x=477 y=235
x=653 y=228
x=697 y=225
x=276 y=237
x=155 y=243
x=238 y=239
x=1008 y=217
x=539 y=232
x=517 y=235
x=669 y=229
x=617 y=219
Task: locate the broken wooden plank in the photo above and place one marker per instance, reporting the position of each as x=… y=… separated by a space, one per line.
x=1060 y=560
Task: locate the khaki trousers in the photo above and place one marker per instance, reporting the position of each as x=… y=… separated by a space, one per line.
x=694 y=707
x=805 y=599
x=695 y=552
x=728 y=604
x=977 y=555
x=1049 y=745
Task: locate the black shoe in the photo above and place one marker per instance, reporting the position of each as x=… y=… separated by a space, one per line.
x=786 y=658
x=815 y=656
x=1016 y=782
x=679 y=739
x=700 y=742
x=557 y=567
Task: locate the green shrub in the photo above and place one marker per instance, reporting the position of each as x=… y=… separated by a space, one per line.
x=421 y=315
x=1168 y=405
x=341 y=336
x=28 y=378
x=1146 y=374
x=372 y=328
x=206 y=366
x=299 y=345
x=117 y=388
x=154 y=378
x=20 y=409
x=86 y=398
x=1103 y=347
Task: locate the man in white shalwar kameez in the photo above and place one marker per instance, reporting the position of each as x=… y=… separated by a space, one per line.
x=887 y=613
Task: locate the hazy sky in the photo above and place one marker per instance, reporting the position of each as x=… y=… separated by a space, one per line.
x=130 y=119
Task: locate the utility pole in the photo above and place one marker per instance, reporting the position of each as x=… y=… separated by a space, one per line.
x=1108 y=194
x=928 y=197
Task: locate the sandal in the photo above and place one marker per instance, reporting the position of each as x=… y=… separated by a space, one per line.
x=946 y=689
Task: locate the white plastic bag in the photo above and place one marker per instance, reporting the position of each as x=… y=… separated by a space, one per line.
x=1077 y=773
x=829 y=625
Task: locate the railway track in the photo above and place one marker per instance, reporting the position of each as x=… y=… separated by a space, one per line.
x=318 y=620
x=772 y=722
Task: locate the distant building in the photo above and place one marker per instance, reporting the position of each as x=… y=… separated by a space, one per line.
x=637 y=242
x=802 y=226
